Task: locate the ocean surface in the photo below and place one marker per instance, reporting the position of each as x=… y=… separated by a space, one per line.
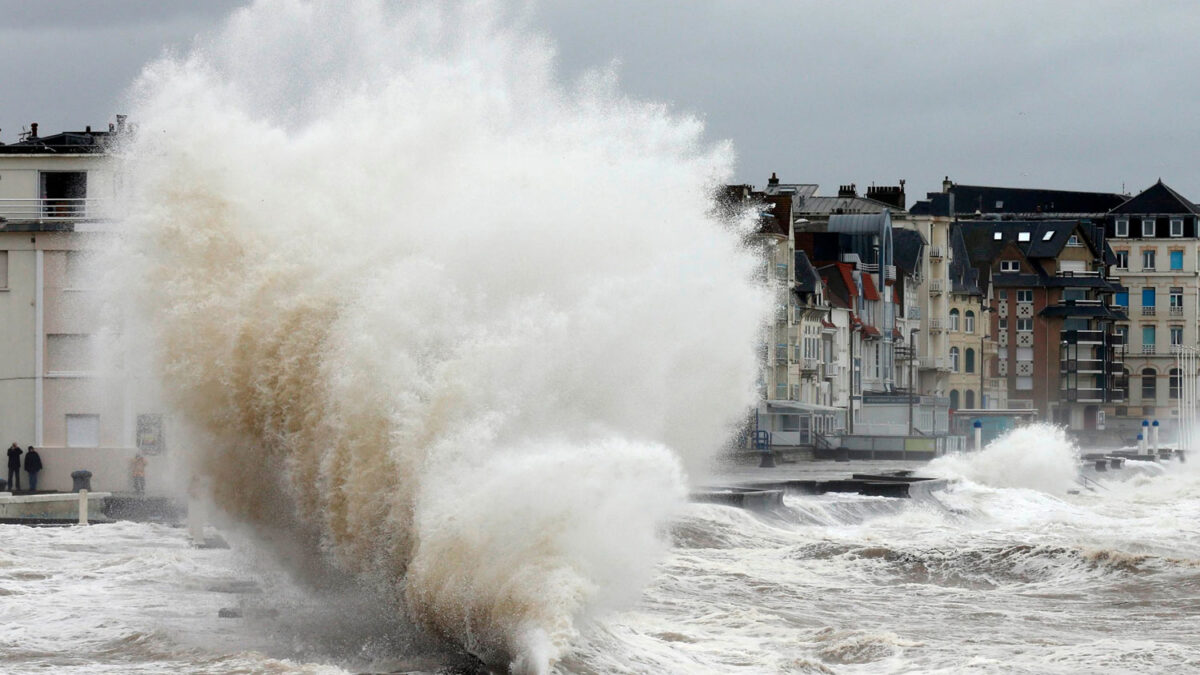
x=977 y=579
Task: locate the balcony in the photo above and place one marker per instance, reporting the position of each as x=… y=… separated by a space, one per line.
x=781 y=353
x=889 y=272
x=1084 y=366
x=937 y=325
x=913 y=312
x=935 y=252
x=781 y=315
x=1148 y=349
x=1079 y=337
x=1080 y=273
x=832 y=369
x=1176 y=310
x=937 y=286
x=932 y=363
x=809 y=365
x=1084 y=395
x=1148 y=311
x=53 y=210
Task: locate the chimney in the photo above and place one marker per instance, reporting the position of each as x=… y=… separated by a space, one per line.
x=111 y=127
x=850 y=190
x=88 y=130
x=773 y=180
x=947 y=184
x=33 y=130
x=121 y=123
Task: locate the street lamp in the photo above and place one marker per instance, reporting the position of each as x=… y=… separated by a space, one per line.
x=912 y=387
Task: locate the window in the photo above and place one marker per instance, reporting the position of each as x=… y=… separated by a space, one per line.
x=969 y=399
x=1024 y=382
x=1121 y=299
x=1022 y=236
x=969 y=362
x=1149 y=384
x=1176 y=335
x=1177 y=227
x=954 y=399
x=83 y=431
x=1025 y=325
x=1048 y=236
x=1147 y=297
x=1177 y=299
x=1176 y=260
x=1003 y=324
x=1122 y=228
x=954 y=359
x=1149 y=338
x=1010 y=266
x=69 y=353
x=1147 y=227
x=969 y=322
x=1025 y=296
x=996 y=236
x=1003 y=295
x=954 y=319
x=1173 y=382
x=1148 y=259
x=1122 y=260
x=1073 y=240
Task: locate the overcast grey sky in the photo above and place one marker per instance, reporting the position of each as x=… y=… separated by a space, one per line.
x=1085 y=95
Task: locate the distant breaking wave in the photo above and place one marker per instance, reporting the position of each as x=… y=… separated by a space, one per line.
x=465 y=327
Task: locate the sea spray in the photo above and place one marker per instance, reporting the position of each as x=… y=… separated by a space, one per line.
x=462 y=326
x=1037 y=456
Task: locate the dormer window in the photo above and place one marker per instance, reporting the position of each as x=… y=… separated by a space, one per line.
x=1022 y=236
x=1147 y=227
x=1177 y=227
x=1010 y=266
x=1048 y=236
x=1122 y=228
x=996 y=236
x=1073 y=240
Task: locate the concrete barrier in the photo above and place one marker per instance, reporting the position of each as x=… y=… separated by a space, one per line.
x=51 y=507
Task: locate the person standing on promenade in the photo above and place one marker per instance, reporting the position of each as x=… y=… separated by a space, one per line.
x=139 y=473
x=14 y=467
x=33 y=464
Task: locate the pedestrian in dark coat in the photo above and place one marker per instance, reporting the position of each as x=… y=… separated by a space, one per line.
x=14 y=467
x=33 y=464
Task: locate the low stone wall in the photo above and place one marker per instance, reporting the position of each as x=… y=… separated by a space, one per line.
x=63 y=506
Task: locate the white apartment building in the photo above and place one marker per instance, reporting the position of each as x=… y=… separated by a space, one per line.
x=55 y=392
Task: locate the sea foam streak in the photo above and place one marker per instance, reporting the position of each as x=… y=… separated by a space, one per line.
x=478 y=324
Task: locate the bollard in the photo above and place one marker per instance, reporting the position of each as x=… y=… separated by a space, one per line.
x=1141 y=444
x=978 y=435
x=1154 y=435
x=82 y=480
x=83 y=506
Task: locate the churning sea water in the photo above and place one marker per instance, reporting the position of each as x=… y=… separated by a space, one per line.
x=445 y=337
x=977 y=578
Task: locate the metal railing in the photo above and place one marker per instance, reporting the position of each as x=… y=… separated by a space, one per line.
x=1148 y=311
x=1147 y=349
x=1176 y=310
x=61 y=210
x=935 y=252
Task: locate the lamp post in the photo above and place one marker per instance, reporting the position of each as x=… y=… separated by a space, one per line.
x=912 y=386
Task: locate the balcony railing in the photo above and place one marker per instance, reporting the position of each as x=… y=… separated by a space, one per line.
x=1176 y=311
x=1082 y=366
x=935 y=252
x=1077 y=273
x=1084 y=394
x=1147 y=349
x=1083 y=336
x=55 y=210
x=937 y=285
x=1148 y=311
x=809 y=364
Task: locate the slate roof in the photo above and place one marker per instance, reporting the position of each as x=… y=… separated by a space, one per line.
x=1158 y=198
x=67 y=142
x=807 y=278
x=983 y=199
x=982 y=246
x=832 y=205
x=906 y=249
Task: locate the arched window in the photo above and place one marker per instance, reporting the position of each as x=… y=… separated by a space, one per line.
x=1149 y=385
x=1173 y=382
x=954 y=399
x=969 y=322
x=954 y=319
x=970 y=364
x=969 y=399
x=954 y=359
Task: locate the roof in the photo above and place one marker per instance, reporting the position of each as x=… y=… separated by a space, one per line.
x=807 y=278
x=984 y=199
x=1158 y=198
x=868 y=285
x=67 y=142
x=1046 y=237
x=906 y=249
x=839 y=205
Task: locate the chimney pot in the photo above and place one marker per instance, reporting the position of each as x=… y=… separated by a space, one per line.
x=33 y=130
